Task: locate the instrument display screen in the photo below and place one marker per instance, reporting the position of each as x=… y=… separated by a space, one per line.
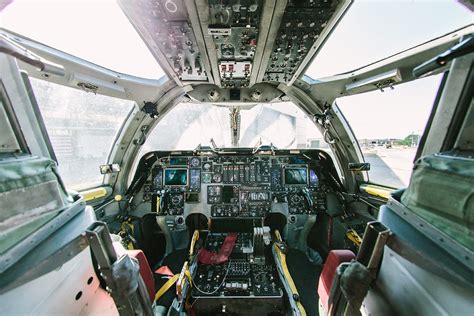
x=176 y=177
x=230 y=194
x=296 y=176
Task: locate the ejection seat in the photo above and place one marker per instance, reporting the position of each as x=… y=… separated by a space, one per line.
x=173 y=262
x=417 y=243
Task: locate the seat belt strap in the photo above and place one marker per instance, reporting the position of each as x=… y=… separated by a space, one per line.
x=165 y=287
x=194 y=239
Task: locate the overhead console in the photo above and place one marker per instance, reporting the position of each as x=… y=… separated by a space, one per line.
x=234 y=44
x=302 y=25
x=234 y=31
x=238 y=185
x=165 y=27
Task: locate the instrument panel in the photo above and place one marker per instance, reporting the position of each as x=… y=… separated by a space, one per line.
x=237 y=186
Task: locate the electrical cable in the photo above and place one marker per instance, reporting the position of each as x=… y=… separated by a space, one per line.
x=217 y=289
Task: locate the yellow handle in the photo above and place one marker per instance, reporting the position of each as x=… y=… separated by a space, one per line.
x=353 y=236
x=377 y=191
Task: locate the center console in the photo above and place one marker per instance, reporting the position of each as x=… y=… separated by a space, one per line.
x=248 y=280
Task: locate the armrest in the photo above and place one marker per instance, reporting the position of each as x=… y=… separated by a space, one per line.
x=334 y=259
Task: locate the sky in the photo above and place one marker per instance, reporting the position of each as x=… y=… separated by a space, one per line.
x=393 y=113
x=375 y=29
x=94 y=30
x=97 y=31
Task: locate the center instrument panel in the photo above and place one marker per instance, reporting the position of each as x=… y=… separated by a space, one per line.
x=237 y=186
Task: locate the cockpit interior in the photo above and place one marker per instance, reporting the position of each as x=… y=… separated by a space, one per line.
x=240 y=181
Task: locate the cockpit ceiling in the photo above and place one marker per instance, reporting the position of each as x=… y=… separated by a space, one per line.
x=234 y=44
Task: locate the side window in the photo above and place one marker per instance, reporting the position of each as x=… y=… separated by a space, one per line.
x=10 y=141
x=82 y=127
x=388 y=126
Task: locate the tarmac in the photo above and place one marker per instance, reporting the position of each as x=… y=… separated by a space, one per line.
x=390 y=166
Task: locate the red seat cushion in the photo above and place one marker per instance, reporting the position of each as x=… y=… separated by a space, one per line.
x=145 y=271
x=334 y=259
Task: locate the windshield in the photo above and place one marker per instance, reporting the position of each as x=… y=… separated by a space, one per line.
x=189 y=124
x=373 y=30
x=96 y=31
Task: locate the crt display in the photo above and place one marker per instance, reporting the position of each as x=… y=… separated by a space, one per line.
x=229 y=194
x=176 y=176
x=296 y=176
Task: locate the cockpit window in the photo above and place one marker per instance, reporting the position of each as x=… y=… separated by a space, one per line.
x=189 y=124
x=373 y=30
x=96 y=31
x=282 y=124
x=82 y=127
x=389 y=125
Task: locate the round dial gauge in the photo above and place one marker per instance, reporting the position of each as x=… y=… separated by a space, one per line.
x=296 y=199
x=176 y=199
x=194 y=162
x=217 y=177
x=206 y=178
x=206 y=166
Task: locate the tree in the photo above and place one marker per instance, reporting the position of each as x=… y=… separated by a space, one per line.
x=410 y=140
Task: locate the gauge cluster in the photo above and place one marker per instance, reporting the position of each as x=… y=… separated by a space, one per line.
x=236 y=185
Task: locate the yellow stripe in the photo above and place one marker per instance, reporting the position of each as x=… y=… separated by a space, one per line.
x=377 y=191
x=287 y=274
x=193 y=242
x=93 y=194
x=188 y=275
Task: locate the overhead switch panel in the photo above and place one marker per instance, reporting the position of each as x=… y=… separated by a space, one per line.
x=165 y=27
x=301 y=26
x=234 y=29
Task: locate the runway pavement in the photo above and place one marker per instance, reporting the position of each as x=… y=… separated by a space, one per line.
x=390 y=166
